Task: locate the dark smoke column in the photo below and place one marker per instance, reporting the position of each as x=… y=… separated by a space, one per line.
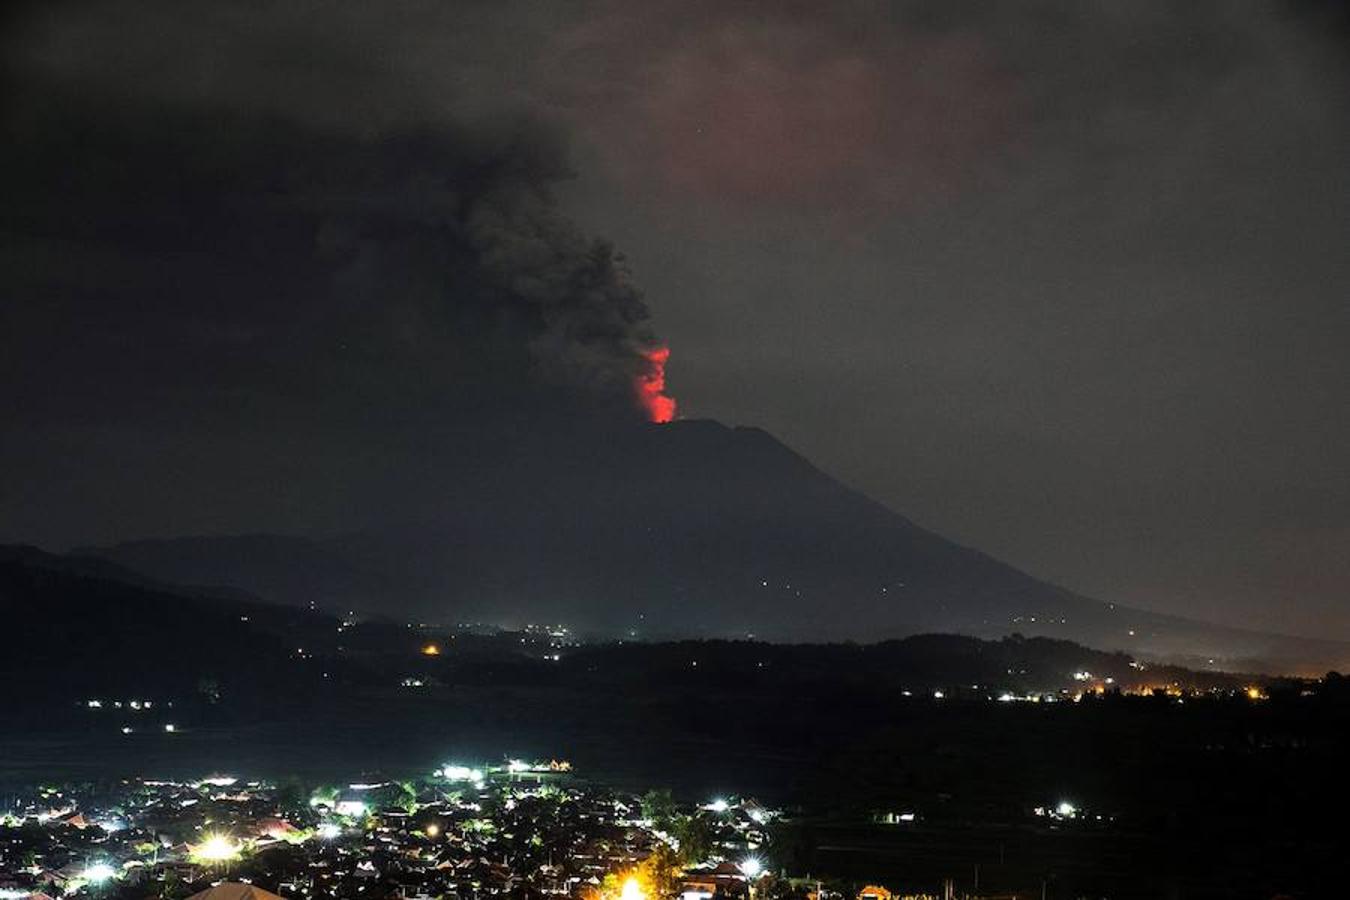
x=650 y=386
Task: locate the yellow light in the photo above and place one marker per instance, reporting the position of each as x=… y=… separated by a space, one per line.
x=632 y=890
x=216 y=848
x=431 y=650
x=433 y=829
x=1254 y=693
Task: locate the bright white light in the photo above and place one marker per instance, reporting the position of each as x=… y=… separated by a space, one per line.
x=517 y=765
x=907 y=817
x=98 y=873
x=718 y=806
x=329 y=830
x=170 y=728
x=631 y=890
x=350 y=808
x=1066 y=809
x=220 y=780
x=751 y=867
x=461 y=773
x=216 y=848
x=112 y=825
x=938 y=695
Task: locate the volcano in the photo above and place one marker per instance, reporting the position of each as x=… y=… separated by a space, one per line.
x=687 y=529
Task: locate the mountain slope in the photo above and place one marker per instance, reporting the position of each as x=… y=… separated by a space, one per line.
x=692 y=529
x=83 y=627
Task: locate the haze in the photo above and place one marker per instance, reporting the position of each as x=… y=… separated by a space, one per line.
x=1066 y=284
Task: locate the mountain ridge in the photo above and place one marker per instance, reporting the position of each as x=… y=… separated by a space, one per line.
x=693 y=529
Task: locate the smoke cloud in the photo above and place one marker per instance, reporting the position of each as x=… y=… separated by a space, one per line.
x=217 y=251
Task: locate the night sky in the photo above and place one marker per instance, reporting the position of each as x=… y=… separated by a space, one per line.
x=1063 y=281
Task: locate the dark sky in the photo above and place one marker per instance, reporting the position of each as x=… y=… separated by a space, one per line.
x=1063 y=281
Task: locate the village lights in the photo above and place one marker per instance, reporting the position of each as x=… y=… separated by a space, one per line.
x=98 y=873
x=215 y=849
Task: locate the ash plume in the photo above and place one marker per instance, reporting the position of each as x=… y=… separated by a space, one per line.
x=241 y=255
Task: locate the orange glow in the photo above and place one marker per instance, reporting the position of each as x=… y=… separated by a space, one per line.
x=651 y=386
x=632 y=889
x=431 y=650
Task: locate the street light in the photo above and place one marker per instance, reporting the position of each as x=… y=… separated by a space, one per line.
x=632 y=889
x=751 y=868
x=98 y=873
x=217 y=848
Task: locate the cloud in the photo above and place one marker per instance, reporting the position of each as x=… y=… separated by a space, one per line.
x=208 y=246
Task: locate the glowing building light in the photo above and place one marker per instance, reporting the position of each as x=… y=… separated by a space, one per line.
x=431 y=650
x=461 y=773
x=751 y=867
x=1066 y=809
x=631 y=890
x=329 y=830
x=98 y=873
x=216 y=848
x=718 y=806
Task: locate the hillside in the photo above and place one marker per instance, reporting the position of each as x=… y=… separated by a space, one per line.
x=687 y=530
x=79 y=628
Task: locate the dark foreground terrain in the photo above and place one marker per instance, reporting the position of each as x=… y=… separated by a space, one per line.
x=1037 y=762
x=1198 y=797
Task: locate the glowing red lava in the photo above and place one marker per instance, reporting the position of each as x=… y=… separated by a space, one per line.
x=650 y=386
